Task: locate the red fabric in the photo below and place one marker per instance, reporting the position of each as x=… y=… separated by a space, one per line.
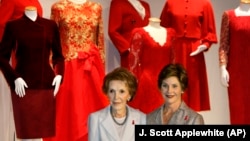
x=193 y=21
x=79 y=95
x=123 y=18
x=34 y=114
x=81 y=31
x=13 y=9
x=237 y=48
x=34 y=42
x=152 y=57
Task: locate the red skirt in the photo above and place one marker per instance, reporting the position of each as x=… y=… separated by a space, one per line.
x=34 y=114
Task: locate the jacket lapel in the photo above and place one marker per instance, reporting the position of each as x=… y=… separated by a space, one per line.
x=108 y=126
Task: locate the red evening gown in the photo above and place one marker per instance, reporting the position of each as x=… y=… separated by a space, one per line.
x=147 y=58
x=235 y=50
x=82 y=39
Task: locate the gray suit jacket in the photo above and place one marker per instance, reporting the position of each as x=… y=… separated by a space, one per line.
x=101 y=125
x=183 y=116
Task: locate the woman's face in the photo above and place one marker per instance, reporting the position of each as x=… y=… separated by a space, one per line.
x=118 y=94
x=171 y=91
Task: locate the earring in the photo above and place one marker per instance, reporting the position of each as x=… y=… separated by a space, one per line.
x=128 y=99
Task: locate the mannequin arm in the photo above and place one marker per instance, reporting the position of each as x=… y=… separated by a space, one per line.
x=20 y=86
x=56 y=82
x=224 y=76
x=200 y=48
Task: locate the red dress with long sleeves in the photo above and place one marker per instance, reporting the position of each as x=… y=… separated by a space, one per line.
x=82 y=38
x=193 y=21
x=234 y=52
x=123 y=18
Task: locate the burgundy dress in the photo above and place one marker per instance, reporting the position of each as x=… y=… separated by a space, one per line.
x=123 y=18
x=33 y=42
x=147 y=58
x=193 y=21
x=234 y=52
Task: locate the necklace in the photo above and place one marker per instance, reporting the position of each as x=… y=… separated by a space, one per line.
x=115 y=119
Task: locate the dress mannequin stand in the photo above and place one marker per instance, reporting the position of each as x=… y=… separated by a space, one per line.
x=31 y=12
x=156 y=31
x=242 y=10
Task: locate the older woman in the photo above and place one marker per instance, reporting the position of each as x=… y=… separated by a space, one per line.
x=116 y=122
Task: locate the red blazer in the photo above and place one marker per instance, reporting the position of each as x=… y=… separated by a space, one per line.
x=123 y=18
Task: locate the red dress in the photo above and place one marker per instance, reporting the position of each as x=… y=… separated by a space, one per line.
x=123 y=18
x=82 y=38
x=193 y=21
x=147 y=58
x=234 y=51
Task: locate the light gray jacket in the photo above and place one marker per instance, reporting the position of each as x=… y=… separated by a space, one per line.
x=101 y=126
x=183 y=116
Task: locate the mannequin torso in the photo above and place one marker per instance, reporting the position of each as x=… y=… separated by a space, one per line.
x=157 y=32
x=243 y=9
x=31 y=12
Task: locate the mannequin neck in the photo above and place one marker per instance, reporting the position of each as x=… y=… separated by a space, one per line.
x=156 y=31
x=245 y=1
x=31 y=12
x=243 y=10
x=154 y=22
x=78 y=1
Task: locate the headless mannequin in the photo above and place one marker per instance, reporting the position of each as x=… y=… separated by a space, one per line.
x=242 y=10
x=78 y=1
x=157 y=32
x=20 y=84
x=31 y=12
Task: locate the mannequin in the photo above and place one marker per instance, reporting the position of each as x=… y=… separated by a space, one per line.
x=33 y=80
x=234 y=66
x=31 y=12
x=156 y=31
x=242 y=10
x=194 y=38
x=150 y=45
x=124 y=16
x=80 y=24
x=10 y=10
x=20 y=84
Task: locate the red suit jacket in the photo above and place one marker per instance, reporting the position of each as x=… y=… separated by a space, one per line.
x=123 y=18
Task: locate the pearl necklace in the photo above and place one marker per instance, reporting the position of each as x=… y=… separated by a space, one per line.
x=115 y=119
